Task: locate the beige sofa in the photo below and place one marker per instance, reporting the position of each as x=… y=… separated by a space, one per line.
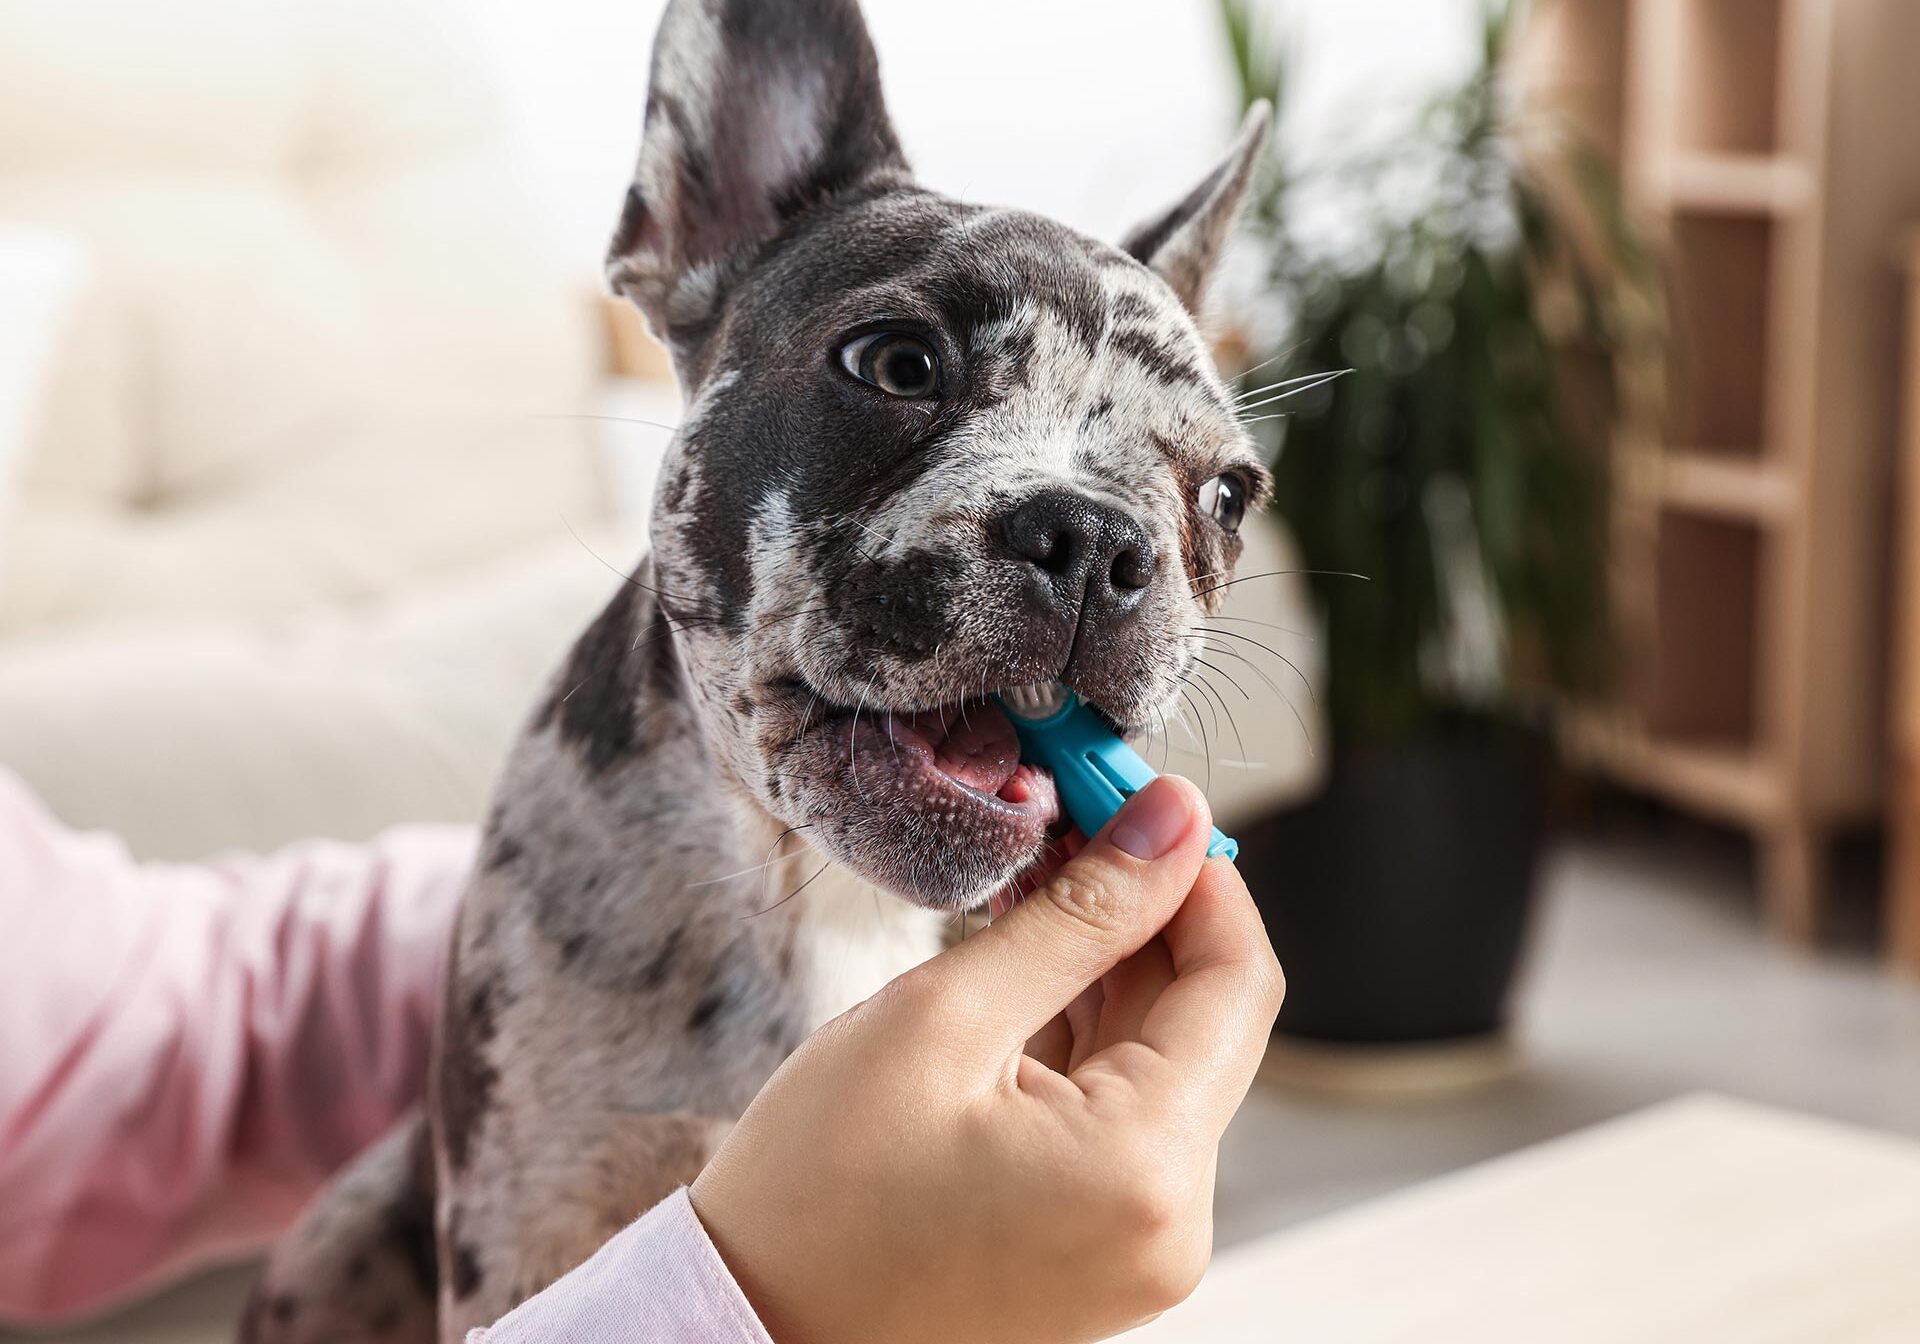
x=286 y=540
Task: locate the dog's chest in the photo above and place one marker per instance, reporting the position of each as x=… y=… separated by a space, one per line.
x=853 y=939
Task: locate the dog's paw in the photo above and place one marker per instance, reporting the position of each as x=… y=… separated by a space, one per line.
x=359 y=1266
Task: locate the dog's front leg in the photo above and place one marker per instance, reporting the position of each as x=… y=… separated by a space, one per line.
x=518 y=1219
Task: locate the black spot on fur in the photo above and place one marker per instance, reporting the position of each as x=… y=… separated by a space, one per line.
x=404 y=1231
x=903 y=608
x=1050 y=274
x=1169 y=366
x=737 y=991
x=729 y=993
x=502 y=851
x=1014 y=358
x=608 y=961
x=708 y=1009
x=676 y=481
x=1097 y=412
x=660 y=965
x=408 y=1228
x=252 y=1328
x=594 y=701
x=464 y=1273
x=467 y=1077
x=660 y=663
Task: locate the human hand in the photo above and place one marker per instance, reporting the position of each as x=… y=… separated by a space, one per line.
x=1016 y=1141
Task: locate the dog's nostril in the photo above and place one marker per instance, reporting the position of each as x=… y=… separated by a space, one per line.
x=1053 y=553
x=1132 y=569
x=1040 y=535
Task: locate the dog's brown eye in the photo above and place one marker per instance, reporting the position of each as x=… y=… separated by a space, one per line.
x=1224 y=499
x=898 y=364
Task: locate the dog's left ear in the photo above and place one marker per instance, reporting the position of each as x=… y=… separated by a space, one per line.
x=758 y=110
x=1183 y=245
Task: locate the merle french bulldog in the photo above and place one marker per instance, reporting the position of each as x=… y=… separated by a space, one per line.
x=930 y=450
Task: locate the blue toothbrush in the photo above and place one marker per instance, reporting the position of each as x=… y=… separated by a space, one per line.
x=1092 y=768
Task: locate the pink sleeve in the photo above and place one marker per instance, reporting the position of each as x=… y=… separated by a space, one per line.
x=660 y=1280
x=186 y=1052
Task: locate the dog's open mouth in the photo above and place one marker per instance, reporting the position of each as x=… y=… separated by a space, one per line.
x=973 y=746
x=935 y=803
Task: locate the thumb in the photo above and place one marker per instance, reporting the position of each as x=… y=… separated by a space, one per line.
x=1103 y=905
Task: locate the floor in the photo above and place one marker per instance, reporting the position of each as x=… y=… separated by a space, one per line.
x=1648 y=979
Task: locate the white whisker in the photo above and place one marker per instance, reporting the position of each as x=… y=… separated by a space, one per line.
x=1319 y=380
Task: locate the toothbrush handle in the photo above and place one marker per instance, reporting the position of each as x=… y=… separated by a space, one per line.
x=1095 y=772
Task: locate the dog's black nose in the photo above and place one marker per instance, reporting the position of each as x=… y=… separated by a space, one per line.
x=1087 y=551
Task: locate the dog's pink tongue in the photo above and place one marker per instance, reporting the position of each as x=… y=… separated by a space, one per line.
x=976 y=746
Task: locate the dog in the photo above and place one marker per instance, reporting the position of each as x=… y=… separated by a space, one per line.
x=930 y=450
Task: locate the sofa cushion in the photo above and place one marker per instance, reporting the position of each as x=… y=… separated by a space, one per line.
x=315 y=277
x=40 y=273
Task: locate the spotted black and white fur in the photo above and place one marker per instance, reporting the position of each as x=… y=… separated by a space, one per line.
x=827 y=559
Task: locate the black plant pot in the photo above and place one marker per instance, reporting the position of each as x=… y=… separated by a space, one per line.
x=1398 y=899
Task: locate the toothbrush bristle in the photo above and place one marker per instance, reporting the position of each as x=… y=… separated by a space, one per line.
x=1036 y=701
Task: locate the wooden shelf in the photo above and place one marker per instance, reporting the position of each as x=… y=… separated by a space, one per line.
x=1729 y=781
x=1749 y=557
x=1722 y=484
x=1707 y=183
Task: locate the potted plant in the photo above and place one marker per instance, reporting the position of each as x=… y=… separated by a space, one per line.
x=1447 y=468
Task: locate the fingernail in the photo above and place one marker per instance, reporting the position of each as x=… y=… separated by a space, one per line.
x=1152 y=821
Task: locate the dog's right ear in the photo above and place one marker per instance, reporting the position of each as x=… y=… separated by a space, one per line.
x=1183 y=246
x=758 y=111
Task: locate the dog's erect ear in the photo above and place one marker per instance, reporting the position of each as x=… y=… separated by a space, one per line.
x=757 y=111
x=1183 y=245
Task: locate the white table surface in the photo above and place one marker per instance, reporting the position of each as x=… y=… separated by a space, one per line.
x=1701 y=1220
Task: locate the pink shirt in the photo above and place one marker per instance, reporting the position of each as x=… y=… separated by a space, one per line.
x=187 y=1052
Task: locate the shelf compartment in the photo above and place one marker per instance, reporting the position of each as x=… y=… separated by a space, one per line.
x=1700 y=683
x=1727 y=68
x=1721 y=284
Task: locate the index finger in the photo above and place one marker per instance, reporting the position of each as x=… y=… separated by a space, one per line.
x=1213 y=1021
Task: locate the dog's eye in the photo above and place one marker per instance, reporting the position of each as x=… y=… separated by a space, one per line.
x=1224 y=499
x=898 y=364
